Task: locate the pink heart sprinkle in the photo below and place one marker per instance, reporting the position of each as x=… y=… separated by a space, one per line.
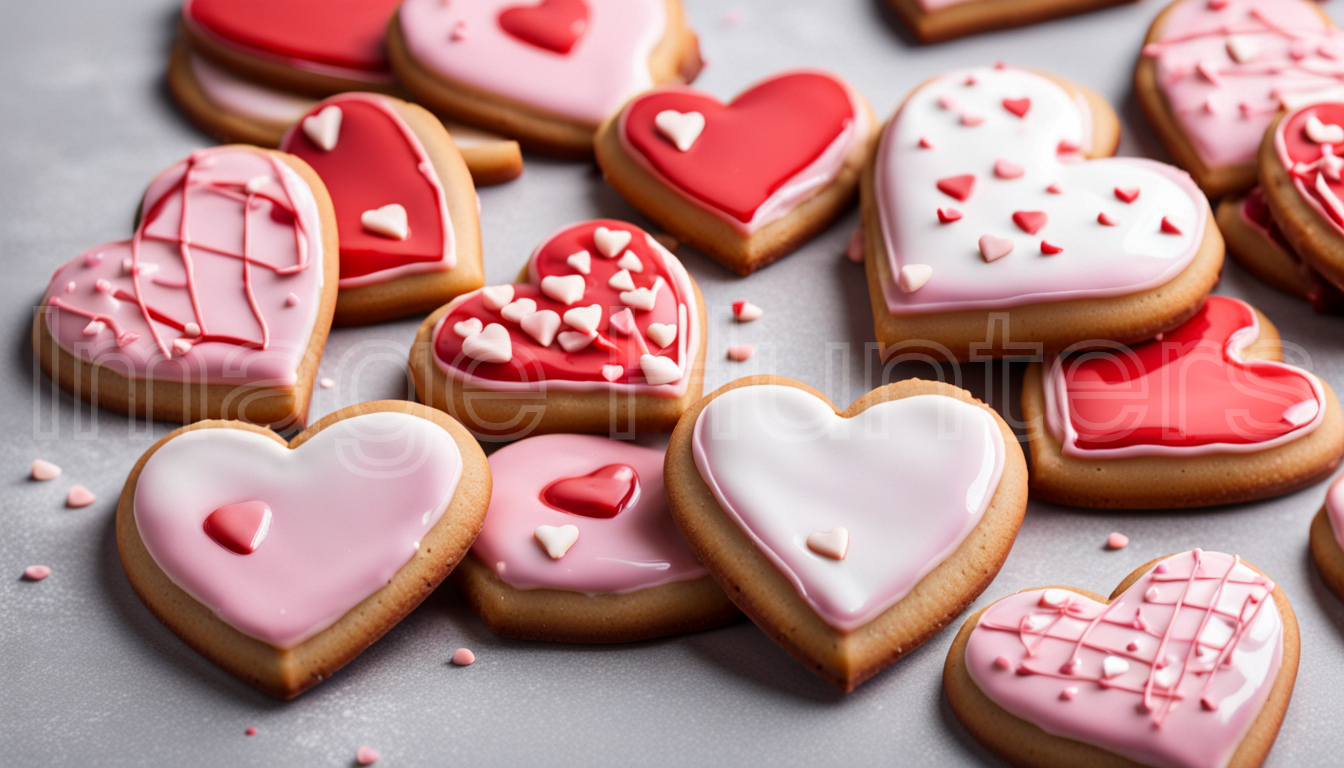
x=366 y=756
x=79 y=496
x=994 y=248
x=741 y=352
x=463 y=657
x=44 y=470
x=36 y=572
x=1117 y=541
x=1007 y=169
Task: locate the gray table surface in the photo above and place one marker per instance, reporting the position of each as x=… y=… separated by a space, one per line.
x=88 y=676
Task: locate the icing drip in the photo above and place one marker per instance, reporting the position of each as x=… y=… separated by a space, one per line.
x=1173 y=672
x=1227 y=68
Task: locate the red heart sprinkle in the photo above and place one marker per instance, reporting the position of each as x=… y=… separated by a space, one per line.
x=241 y=527
x=1128 y=195
x=1168 y=228
x=1105 y=220
x=1018 y=107
x=603 y=493
x=555 y=25
x=957 y=187
x=1030 y=221
x=948 y=215
x=1050 y=250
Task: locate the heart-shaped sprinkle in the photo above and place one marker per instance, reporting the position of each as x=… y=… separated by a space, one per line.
x=584 y=319
x=36 y=572
x=463 y=657
x=366 y=755
x=745 y=311
x=680 y=128
x=1030 y=222
x=631 y=262
x=1243 y=48
x=603 y=493
x=94 y=328
x=957 y=187
x=469 y=327
x=573 y=341
x=1050 y=249
x=1168 y=228
x=491 y=345
x=582 y=262
x=324 y=128
x=833 y=544
x=240 y=527
x=914 y=276
x=993 y=248
x=496 y=296
x=1018 y=107
x=515 y=311
x=1128 y=195
x=556 y=539
x=924 y=143
x=1007 y=169
x=622 y=322
x=553 y=25
x=659 y=370
x=661 y=334
x=565 y=289
x=610 y=242
x=947 y=101
x=44 y=470
x=642 y=299
x=740 y=353
x=622 y=281
x=388 y=221
x=972 y=119
x=79 y=496
x=948 y=215
x=1105 y=220
x=542 y=326
x=1117 y=540
x=1113 y=666
x=1321 y=133
x=1055 y=598
x=612 y=372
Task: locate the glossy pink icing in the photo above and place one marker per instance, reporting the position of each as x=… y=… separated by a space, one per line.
x=349 y=508
x=1222 y=106
x=777 y=460
x=608 y=64
x=1334 y=509
x=245 y=253
x=1190 y=711
x=245 y=98
x=1246 y=386
x=966 y=121
x=637 y=549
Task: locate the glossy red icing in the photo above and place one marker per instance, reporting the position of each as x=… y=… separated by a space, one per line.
x=603 y=493
x=340 y=33
x=555 y=25
x=1185 y=390
x=751 y=146
x=531 y=362
x=374 y=164
x=1323 y=296
x=240 y=527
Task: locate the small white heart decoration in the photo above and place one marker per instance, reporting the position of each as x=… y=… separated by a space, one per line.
x=565 y=289
x=516 y=311
x=914 y=276
x=611 y=242
x=631 y=262
x=469 y=327
x=388 y=221
x=680 y=128
x=661 y=334
x=833 y=544
x=556 y=540
x=324 y=128
x=582 y=262
x=612 y=372
x=496 y=296
x=622 y=281
x=541 y=326
x=659 y=370
x=573 y=341
x=584 y=319
x=642 y=299
x=491 y=345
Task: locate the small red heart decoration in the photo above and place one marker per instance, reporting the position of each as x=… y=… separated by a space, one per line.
x=239 y=527
x=555 y=25
x=602 y=493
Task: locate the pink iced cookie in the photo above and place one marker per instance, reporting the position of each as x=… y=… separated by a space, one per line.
x=579 y=546
x=222 y=298
x=1191 y=662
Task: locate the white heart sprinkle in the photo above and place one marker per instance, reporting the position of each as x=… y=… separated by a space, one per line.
x=681 y=128
x=622 y=322
x=1242 y=48
x=516 y=311
x=491 y=345
x=541 y=326
x=256 y=184
x=631 y=262
x=1323 y=133
x=581 y=262
x=1114 y=666
x=556 y=540
x=566 y=290
x=612 y=372
x=659 y=370
x=1055 y=598
x=94 y=328
x=622 y=281
x=640 y=298
x=610 y=242
x=469 y=327
x=496 y=296
x=388 y=221
x=833 y=544
x=324 y=128
x=573 y=341
x=584 y=319
x=44 y=470
x=914 y=276
x=661 y=334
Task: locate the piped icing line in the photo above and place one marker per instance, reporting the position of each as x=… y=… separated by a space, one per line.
x=748 y=443
x=352 y=233
x=1064 y=196
x=258 y=215
x=1251 y=434
x=637 y=548
x=360 y=493
x=584 y=374
x=1224 y=105
x=231 y=93
x=606 y=67
x=1171 y=673
x=371 y=72
x=791 y=192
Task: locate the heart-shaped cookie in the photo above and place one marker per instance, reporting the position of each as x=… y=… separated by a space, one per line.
x=1190 y=663
x=405 y=205
x=1327 y=544
x=984 y=184
x=1214 y=73
x=574 y=348
x=1256 y=242
x=281 y=562
x=217 y=307
x=1303 y=179
x=933 y=21
x=545 y=74
x=1204 y=415
x=747 y=181
x=320 y=47
x=623 y=573
x=754 y=472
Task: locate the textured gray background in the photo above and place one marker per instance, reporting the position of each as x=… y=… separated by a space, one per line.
x=88 y=676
